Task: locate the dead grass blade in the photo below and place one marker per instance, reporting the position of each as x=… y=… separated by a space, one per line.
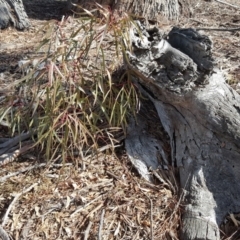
x=71 y=99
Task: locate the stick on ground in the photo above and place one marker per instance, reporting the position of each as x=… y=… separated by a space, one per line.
x=4 y=178
x=5 y=217
x=219 y=29
x=228 y=4
x=101 y=225
x=86 y=234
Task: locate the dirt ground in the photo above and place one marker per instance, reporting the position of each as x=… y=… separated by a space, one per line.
x=106 y=198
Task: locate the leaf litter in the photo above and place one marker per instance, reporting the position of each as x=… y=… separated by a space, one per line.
x=107 y=200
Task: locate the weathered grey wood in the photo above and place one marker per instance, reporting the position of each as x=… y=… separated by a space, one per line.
x=144 y=149
x=201 y=115
x=12 y=12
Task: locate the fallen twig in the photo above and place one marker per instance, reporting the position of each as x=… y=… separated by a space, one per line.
x=219 y=29
x=5 y=217
x=117 y=229
x=228 y=4
x=232 y=24
x=154 y=172
x=151 y=215
x=195 y=20
x=113 y=175
x=82 y=207
x=165 y=183
x=90 y=214
x=101 y=224
x=3 y=179
x=88 y=230
x=104 y=148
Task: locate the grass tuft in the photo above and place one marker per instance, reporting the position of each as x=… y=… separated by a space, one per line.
x=69 y=97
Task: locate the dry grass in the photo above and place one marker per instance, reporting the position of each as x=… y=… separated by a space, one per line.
x=68 y=97
x=74 y=100
x=86 y=197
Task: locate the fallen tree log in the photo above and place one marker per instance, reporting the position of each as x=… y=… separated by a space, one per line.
x=201 y=115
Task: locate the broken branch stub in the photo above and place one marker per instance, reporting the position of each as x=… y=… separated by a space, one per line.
x=201 y=115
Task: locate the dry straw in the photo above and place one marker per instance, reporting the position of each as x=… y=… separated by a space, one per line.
x=69 y=97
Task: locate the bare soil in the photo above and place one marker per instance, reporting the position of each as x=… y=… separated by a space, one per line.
x=104 y=196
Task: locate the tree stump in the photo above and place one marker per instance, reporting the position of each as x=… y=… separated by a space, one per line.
x=201 y=115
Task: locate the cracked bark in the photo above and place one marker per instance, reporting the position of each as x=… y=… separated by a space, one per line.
x=155 y=10
x=201 y=115
x=12 y=12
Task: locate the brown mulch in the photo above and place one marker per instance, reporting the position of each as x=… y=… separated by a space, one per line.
x=104 y=198
x=67 y=202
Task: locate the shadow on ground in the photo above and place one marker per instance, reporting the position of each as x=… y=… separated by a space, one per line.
x=9 y=61
x=46 y=9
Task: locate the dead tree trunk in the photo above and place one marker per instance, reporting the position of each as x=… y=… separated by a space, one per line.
x=151 y=10
x=12 y=12
x=201 y=115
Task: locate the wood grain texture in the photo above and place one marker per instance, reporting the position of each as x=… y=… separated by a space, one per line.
x=201 y=115
x=152 y=10
x=12 y=12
